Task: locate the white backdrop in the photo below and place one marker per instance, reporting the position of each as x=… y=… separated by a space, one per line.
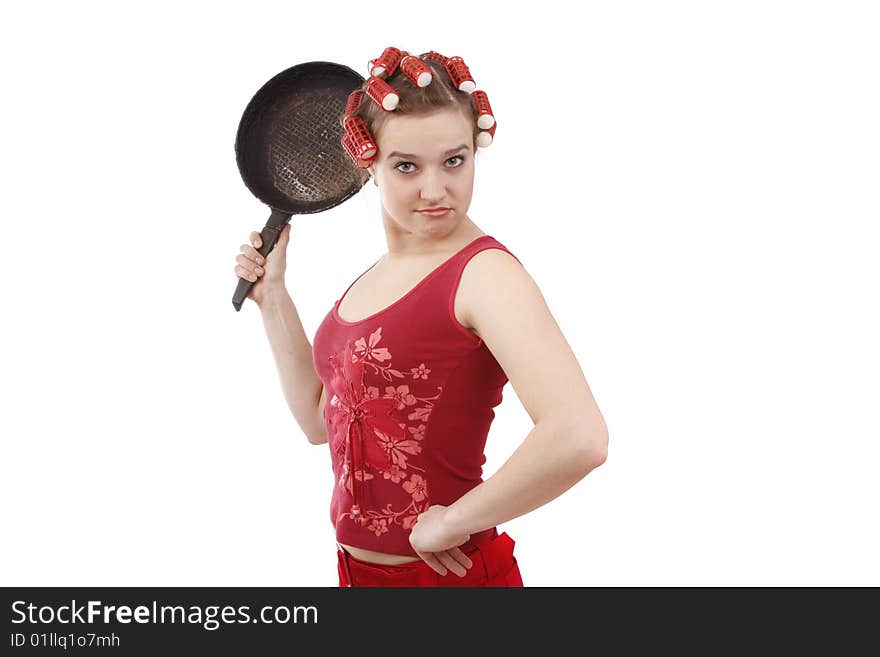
x=694 y=187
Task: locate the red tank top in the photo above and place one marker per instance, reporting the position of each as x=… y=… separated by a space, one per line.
x=410 y=397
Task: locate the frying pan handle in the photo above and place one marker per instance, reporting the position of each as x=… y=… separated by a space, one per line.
x=269 y=236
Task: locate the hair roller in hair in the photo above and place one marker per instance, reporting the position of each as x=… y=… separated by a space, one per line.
x=485 y=137
x=416 y=71
x=485 y=119
x=352 y=152
x=460 y=74
x=386 y=63
x=347 y=145
x=361 y=139
x=382 y=93
x=354 y=99
x=435 y=57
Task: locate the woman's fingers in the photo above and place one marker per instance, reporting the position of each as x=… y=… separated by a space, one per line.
x=252 y=253
x=247 y=262
x=431 y=559
x=247 y=274
x=250 y=261
x=452 y=564
x=461 y=557
x=241 y=272
x=442 y=562
x=248 y=265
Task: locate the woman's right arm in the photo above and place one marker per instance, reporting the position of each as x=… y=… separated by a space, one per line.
x=302 y=388
x=301 y=385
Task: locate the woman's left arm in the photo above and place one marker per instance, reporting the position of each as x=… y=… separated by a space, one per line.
x=569 y=438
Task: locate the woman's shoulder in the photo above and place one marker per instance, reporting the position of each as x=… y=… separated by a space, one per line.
x=493 y=254
x=488 y=273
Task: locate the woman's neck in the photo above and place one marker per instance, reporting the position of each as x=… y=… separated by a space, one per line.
x=405 y=245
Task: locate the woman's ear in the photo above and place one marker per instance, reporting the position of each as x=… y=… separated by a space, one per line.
x=373 y=175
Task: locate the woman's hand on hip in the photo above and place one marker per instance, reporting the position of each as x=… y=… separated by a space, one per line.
x=437 y=545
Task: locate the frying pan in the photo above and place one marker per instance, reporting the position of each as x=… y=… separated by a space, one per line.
x=288 y=148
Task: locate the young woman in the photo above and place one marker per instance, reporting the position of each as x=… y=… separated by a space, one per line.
x=410 y=361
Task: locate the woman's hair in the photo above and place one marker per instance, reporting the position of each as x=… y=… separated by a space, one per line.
x=417 y=101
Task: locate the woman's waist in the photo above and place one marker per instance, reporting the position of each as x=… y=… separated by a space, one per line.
x=372 y=556
x=387 y=559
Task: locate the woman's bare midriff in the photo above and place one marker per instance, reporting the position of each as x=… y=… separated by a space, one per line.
x=377 y=557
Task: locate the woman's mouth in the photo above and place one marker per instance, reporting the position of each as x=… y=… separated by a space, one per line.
x=437 y=212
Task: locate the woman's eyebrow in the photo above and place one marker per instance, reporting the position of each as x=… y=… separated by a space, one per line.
x=449 y=152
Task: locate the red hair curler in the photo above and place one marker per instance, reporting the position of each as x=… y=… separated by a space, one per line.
x=485 y=137
x=486 y=119
x=416 y=71
x=435 y=57
x=354 y=99
x=352 y=152
x=382 y=93
x=361 y=140
x=460 y=74
x=386 y=63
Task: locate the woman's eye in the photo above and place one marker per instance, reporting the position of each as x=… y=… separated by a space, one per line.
x=409 y=164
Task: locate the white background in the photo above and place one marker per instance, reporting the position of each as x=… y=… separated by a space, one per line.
x=693 y=186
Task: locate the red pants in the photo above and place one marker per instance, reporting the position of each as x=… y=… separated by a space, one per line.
x=493 y=565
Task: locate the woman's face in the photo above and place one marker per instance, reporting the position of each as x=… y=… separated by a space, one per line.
x=425 y=162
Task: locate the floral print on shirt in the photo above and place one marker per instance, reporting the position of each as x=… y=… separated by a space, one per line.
x=385 y=426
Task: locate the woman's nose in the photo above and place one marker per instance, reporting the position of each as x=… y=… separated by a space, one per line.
x=433 y=187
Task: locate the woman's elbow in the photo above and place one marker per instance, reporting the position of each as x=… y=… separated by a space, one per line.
x=317 y=440
x=594 y=447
